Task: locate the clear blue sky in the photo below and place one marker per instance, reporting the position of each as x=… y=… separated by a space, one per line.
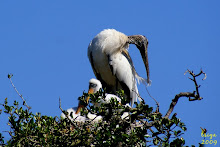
x=44 y=44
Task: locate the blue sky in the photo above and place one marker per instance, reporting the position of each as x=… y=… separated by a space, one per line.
x=44 y=45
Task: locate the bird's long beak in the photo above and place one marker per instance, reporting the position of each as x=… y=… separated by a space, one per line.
x=144 y=55
x=142 y=43
x=80 y=106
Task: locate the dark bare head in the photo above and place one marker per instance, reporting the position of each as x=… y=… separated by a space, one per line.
x=141 y=43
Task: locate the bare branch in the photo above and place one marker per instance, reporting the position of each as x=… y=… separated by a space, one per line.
x=24 y=102
x=138 y=95
x=60 y=106
x=158 y=105
x=191 y=95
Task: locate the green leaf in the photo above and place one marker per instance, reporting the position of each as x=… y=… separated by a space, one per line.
x=10 y=76
x=155 y=141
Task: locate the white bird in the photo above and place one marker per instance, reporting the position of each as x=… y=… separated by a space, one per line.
x=112 y=64
x=94 y=86
x=75 y=117
x=78 y=118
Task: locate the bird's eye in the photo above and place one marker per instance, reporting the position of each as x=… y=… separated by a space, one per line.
x=92 y=85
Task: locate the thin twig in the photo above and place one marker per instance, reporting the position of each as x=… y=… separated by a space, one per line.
x=158 y=105
x=60 y=106
x=64 y=112
x=157 y=110
x=138 y=95
x=24 y=102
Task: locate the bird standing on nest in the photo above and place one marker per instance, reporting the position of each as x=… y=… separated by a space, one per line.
x=112 y=64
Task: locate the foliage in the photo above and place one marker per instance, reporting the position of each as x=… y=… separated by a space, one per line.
x=143 y=127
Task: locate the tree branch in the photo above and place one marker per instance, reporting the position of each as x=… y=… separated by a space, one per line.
x=191 y=95
x=24 y=102
x=64 y=112
x=158 y=105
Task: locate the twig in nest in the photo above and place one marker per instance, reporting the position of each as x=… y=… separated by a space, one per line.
x=191 y=95
x=64 y=112
x=158 y=105
x=138 y=95
x=24 y=102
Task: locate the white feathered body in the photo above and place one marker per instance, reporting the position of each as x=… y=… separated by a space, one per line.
x=110 y=65
x=107 y=99
x=78 y=118
x=75 y=117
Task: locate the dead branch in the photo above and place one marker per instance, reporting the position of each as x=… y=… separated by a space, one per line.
x=158 y=105
x=191 y=95
x=61 y=107
x=24 y=102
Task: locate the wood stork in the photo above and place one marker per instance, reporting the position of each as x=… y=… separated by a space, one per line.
x=94 y=86
x=78 y=118
x=112 y=64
